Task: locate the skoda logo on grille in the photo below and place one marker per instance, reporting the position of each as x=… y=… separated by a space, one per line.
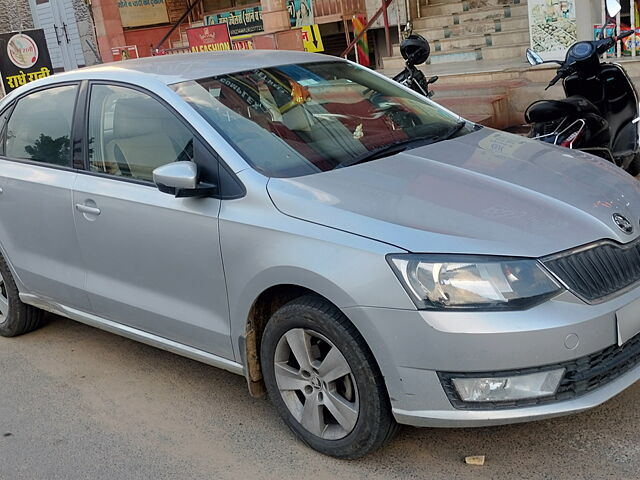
x=622 y=223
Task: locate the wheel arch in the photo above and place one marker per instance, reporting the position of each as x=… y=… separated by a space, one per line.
x=263 y=307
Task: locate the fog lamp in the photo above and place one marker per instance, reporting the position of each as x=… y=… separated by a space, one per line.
x=507 y=388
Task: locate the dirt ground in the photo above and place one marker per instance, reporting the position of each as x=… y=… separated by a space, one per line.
x=79 y=403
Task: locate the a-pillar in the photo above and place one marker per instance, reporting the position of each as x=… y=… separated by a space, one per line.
x=275 y=16
x=108 y=27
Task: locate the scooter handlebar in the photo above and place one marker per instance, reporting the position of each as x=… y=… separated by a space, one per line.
x=610 y=42
x=560 y=74
x=625 y=35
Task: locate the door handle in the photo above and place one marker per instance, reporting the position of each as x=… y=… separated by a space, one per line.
x=66 y=35
x=55 y=29
x=87 y=209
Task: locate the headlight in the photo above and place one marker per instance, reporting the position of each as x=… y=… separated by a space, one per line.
x=472 y=282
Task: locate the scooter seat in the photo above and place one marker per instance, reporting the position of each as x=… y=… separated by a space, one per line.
x=550 y=110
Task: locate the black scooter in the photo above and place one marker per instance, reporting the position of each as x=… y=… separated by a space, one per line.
x=600 y=113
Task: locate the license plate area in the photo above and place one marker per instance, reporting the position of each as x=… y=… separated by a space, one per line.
x=628 y=321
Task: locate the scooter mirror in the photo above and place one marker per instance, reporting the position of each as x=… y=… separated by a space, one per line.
x=613 y=8
x=533 y=58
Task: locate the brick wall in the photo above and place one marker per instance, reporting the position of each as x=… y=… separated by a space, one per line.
x=175 y=9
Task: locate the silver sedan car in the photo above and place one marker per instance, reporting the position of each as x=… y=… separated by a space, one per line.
x=357 y=252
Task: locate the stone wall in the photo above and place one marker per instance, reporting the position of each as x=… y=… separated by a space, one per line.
x=15 y=15
x=86 y=30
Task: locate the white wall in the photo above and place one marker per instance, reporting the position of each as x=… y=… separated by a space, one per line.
x=588 y=13
x=374 y=5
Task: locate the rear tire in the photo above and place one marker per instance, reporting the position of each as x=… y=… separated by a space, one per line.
x=351 y=410
x=16 y=317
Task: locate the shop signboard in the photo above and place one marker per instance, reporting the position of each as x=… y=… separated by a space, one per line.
x=210 y=38
x=138 y=13
x=552 y=26
x=311 y=39
x=248 y=21
x=240 y=22
x=243 y=44
x=24 y=57
x=124 y=53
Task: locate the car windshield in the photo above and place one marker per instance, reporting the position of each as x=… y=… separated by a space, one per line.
x=301 y=119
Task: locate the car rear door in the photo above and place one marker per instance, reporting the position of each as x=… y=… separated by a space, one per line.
x=37 y=231
x=153 y=261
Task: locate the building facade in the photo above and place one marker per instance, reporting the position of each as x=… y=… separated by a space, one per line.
x=159 y=26
x=67 y=25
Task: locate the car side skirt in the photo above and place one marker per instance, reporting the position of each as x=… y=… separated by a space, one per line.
x=133 y=334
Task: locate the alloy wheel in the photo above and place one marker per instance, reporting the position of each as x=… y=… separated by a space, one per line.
x=316 y=383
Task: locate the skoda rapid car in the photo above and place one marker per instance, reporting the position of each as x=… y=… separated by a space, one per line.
x=362 y=255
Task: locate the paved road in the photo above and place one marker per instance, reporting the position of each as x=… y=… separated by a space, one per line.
x=79 y=403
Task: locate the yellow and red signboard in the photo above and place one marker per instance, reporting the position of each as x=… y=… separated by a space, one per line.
x=311 y=38
x=211 y=38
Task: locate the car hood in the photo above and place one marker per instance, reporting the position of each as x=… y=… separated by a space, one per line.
x=486 y=192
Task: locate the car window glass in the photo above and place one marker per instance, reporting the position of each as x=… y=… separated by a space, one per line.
x=40 y=126
x=131 y=133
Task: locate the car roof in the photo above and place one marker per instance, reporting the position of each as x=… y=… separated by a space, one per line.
x=191 y=66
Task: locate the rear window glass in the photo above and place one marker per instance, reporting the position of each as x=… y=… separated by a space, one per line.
x=40 y=126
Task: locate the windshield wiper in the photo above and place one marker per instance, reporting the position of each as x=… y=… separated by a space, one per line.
x=451 y=132
x=401 y=146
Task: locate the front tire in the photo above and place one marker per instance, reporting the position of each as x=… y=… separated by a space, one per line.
x=324 y=381
x=16 y=318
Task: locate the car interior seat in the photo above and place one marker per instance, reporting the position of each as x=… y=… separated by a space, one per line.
x=141 y=141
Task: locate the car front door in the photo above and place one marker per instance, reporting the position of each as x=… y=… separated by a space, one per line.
x=153 y=261
x=37 y=230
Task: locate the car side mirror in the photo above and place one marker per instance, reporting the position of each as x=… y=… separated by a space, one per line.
x=613 y=8
x=181 y=180
x=533 y=58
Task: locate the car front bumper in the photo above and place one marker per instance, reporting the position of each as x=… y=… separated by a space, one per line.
x=412 y=346
x=479 y=418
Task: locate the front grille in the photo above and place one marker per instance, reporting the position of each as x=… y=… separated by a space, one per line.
x=596 y=272
x=581 y=376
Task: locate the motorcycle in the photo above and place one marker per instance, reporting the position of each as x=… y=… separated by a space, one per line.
x=600 y=112
x=415 y=50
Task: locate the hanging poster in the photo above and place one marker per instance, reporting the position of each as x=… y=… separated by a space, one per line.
x=136 y=13
x=124 y=53
x=552 y=26
x=24 y=57
x=300 y=12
